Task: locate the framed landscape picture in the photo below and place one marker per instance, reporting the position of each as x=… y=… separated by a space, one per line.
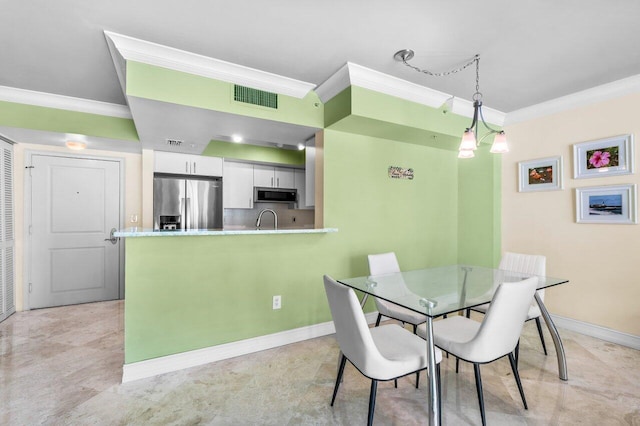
x=606 y=204
x=604 y=157
x=544 y=174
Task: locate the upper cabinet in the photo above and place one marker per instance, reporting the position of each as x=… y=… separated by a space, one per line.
x=299 y=181
x=237 y=191
x=273 y=177
x=187 y=164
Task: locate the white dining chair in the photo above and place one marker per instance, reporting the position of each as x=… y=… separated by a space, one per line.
x=495 y=337
x=382 y=353
x=528 y=264
x=387 y=263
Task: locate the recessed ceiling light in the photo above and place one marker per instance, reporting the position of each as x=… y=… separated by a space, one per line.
x=236 y=138
x=300 y=146
x=76 y=145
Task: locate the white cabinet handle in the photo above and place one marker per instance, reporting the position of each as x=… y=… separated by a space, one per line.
x=186 y=167
x=278 y=184
x=194 y=167
x=272 y=182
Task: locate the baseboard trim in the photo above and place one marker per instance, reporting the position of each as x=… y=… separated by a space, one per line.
x=597 y=331
x=169 y=363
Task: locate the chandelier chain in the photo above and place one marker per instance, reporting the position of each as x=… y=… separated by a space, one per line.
x=478 y=95
x=443 y=73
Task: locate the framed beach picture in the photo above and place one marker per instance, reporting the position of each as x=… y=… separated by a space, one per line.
x=544 y=174
x=604 y=157
x=606 y=204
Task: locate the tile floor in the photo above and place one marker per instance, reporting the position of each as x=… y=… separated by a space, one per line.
x=62 y=366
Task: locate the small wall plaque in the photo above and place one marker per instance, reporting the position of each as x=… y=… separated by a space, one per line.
x=400 y=173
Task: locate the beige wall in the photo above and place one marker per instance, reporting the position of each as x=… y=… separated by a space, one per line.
x=132 y=197
x=602 y=261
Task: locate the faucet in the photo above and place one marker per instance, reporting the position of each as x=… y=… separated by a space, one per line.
x=275 y=218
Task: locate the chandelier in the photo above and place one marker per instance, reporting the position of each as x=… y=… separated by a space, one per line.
x=470 y=141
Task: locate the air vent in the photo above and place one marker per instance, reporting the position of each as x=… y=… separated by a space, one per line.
x=174 y=142
x=255 y=96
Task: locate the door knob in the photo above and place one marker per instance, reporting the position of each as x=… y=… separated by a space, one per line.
x=112 y=237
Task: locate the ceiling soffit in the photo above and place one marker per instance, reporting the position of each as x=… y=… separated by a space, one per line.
x=132 y=49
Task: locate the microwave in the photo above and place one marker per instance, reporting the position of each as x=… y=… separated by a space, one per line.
x=275 y=195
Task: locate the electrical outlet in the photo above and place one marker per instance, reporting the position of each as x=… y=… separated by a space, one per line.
x=277 y=302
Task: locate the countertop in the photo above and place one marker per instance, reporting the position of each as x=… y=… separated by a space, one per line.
x=138 y=232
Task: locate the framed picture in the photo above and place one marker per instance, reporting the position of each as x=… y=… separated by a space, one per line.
x=606 y=204
x=544 y=174
x=604 y=157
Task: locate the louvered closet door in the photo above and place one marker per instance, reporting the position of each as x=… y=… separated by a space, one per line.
x=7 y=243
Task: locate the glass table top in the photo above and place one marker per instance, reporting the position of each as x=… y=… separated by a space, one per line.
x=442 y=290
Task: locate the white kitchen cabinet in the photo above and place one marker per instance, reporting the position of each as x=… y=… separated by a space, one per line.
x=310 y=177
x=187 y=164
x=263 y=176
x=273 y=177
x=299 y=181
x=284 y=177
x=237 y=181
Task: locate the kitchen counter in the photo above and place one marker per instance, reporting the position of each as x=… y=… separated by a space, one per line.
x=135 y=232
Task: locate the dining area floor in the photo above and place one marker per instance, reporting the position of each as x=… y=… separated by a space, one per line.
x=63 y=366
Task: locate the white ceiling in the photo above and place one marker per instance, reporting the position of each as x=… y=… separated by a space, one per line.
x=530 y=52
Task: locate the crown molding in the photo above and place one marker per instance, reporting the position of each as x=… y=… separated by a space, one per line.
x=356 y=75
x=133 y=49
x=616 y=89
x=50 y=100
x=335 y=84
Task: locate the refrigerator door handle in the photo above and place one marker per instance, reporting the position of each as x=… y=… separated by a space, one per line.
x=188 y=213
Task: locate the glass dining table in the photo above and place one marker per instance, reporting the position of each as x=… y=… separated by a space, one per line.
x=446 y=290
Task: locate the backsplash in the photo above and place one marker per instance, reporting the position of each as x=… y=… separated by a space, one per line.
x=287 y=218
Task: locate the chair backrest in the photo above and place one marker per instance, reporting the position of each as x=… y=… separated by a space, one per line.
x=352 y=331
x=384 y=263
x=525 y=263
x=502 y=324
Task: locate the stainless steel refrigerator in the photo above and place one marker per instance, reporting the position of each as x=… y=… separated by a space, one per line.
x=186 y=202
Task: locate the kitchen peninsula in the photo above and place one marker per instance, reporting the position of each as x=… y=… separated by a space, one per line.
x=212 y=232
x=202 y=295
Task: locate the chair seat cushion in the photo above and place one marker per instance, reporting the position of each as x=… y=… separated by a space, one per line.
x=391 y=310
x=404 y=353
x=452 y=333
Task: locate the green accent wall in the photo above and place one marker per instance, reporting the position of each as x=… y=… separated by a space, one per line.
x=254 y=153
x=479 y=215
x=186 y=293
x=162 y=84
x=63 y=121
x=367 y=112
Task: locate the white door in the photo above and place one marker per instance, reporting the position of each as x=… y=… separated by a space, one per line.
x=75 y=202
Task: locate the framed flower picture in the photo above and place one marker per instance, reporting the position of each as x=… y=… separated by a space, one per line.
x=604 y=157
x=544 y=174
x=607 y=204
